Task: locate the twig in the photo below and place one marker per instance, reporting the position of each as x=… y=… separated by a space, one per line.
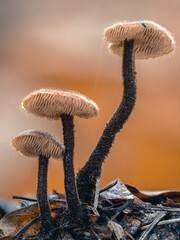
x=116 y=206
x=25 y=198
x=129 y=235
x=96 y=198
x=108 y=187
x=94 y=235
x=155 y=208
x=124 y=206
x=152 y=225
x=170 y=221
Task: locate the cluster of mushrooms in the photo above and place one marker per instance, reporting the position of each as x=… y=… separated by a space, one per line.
x=138 y=39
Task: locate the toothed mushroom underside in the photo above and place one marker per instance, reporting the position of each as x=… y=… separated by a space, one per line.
x=34 y=143
x=151 y=39
x=51 y=103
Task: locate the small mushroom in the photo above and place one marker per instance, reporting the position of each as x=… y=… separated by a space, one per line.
x=128 y=39
x=64 y=104
x=34 y=143
x=151 y=39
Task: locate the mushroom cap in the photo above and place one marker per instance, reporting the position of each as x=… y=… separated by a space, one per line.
x=33 y=143
x=151 y=39
x=53 y=103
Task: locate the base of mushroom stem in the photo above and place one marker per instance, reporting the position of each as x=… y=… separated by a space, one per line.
x=83 y=218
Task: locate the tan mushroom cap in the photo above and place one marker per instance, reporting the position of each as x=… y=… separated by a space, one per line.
x=33 y=143
x=151 y=39
x=52 y=103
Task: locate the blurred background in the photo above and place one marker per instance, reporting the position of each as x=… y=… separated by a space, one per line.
x=59 y=44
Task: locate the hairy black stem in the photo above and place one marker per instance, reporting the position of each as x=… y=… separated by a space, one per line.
x=46 y=219
x=72 y=198
x=87 y=176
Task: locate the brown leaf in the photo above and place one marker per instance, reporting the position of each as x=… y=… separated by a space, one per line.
x=155 y=196
x=14 y=221
x=117 y=230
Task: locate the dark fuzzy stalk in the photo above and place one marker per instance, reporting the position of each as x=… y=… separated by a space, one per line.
x=87 y=176
x=72 y=198
x=46 y=227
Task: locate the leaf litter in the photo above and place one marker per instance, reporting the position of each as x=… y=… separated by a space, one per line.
x=120 y=214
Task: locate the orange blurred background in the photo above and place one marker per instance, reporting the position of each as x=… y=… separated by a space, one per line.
x=59 y=44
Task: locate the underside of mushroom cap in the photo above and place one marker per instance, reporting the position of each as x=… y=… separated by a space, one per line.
x=33 y=143
x=53 y=103
x=151 y=39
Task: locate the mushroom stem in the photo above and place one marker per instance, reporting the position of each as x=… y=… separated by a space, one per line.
x=87 y=176
x=72 y=198
x=46 y=219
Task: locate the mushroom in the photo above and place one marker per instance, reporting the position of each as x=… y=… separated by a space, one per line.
x=140 y=39
x=64 y=104
x=151 y=39
x=34 y=143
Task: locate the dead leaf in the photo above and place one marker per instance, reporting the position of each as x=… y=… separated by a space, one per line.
x=117 y=230
x=14 y=221
x=154 y=196
x=116 y=190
